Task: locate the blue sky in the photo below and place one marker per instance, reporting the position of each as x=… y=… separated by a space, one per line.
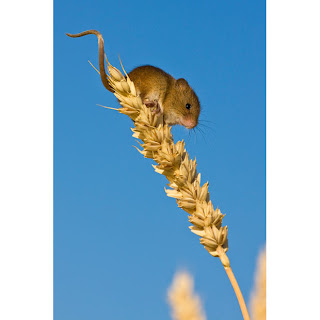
x=118 y=239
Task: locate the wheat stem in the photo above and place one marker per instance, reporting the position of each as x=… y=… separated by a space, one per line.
x=238 y=293
x=226 y=264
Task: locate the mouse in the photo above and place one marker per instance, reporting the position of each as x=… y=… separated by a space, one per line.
x=174 y=98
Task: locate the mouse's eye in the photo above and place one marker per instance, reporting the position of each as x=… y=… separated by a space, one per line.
x=188 y=106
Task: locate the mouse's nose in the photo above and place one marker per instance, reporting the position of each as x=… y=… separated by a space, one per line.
x=189 y=123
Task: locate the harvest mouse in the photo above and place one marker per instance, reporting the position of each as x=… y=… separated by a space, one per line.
x=174 y=98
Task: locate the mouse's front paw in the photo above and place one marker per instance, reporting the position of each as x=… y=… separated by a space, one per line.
x=154 y=104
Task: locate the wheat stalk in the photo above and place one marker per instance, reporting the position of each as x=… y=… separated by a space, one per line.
x=185 y=304
x=174 y=162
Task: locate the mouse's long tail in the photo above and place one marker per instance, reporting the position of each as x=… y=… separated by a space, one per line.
x=103 y=74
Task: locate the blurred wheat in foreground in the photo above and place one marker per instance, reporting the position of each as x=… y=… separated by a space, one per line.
x=185 y=304
x=258 y=297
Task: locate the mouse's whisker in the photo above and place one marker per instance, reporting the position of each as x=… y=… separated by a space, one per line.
x=188 y=139
x=205 y=126
x=202 y=120
x=202 y=133
x=195 y=133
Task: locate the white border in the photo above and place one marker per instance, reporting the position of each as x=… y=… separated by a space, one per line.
x=26 y=160
x=293 y=159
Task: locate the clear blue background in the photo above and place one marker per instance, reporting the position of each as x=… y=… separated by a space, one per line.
x=118 y=239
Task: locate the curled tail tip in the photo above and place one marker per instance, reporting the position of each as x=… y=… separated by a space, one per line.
x=69 y=35
x=84 y=33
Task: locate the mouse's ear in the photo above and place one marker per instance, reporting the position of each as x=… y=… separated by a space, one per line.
x=182 y=83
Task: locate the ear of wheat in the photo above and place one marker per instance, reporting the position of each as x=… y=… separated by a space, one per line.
x=174 y=162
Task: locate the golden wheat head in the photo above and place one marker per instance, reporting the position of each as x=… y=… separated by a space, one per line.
x=172 y=161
